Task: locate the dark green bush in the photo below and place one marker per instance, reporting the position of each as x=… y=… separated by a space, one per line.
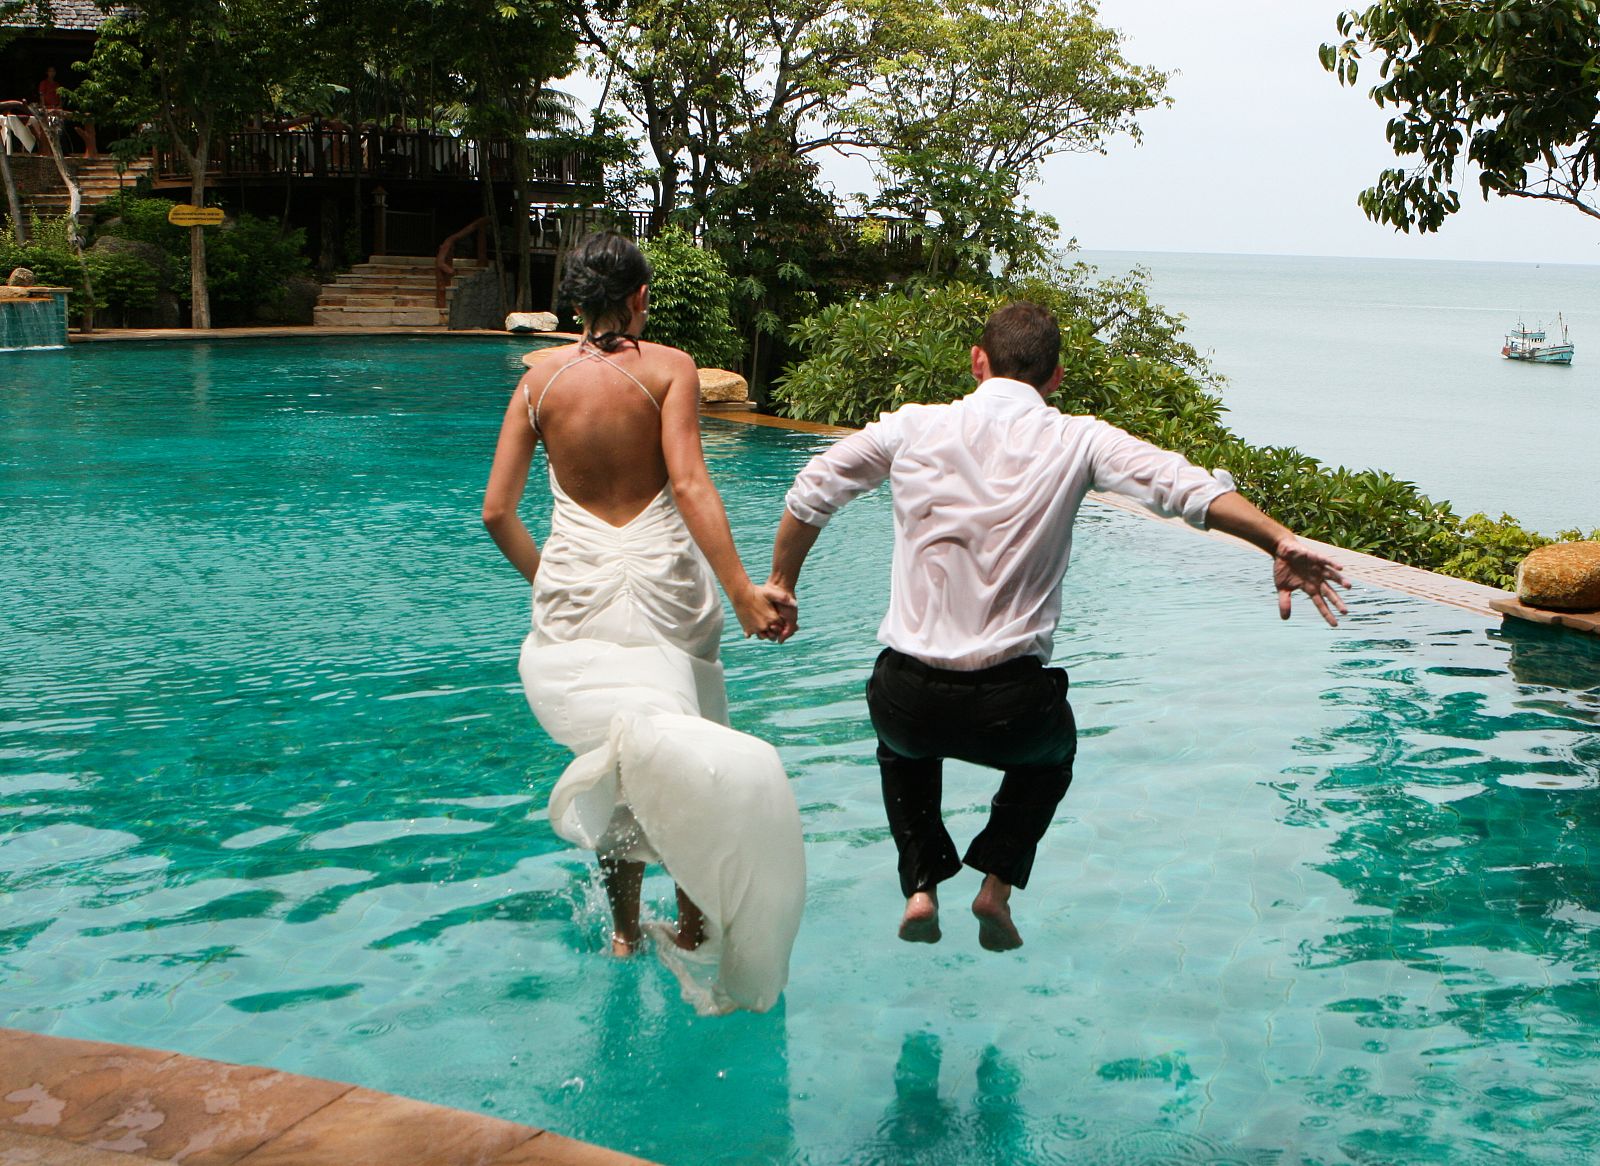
x=249 y=261
x=51 y=258
x=872 y=356
x=123 y=282
x=144 y=220
x=689 y=293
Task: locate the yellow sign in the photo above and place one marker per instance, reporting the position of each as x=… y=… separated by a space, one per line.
x=184 y=215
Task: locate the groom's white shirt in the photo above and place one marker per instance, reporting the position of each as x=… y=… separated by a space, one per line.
x=986 y=490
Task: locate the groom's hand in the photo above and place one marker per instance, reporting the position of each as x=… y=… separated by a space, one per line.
x=1298 y=567
x=788 y=612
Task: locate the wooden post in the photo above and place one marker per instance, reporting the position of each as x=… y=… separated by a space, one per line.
x=380 y=222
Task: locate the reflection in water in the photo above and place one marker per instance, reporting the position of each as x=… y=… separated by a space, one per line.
x=920 y=1126
x=1554 y=657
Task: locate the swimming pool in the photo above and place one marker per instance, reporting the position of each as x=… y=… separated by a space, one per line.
x=271 y=793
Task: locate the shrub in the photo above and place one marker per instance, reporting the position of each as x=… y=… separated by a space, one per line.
x=872 y=356
x=249 y=262
x=124 y=281
x=126 y=216
x=689 y=293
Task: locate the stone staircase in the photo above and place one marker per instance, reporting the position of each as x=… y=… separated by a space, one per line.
x=97 y=180
x=388 y=291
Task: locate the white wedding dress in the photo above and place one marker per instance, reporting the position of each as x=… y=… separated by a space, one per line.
x=621 y=667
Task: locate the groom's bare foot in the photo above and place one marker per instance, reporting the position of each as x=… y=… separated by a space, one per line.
x=996 y=932
x=622 y=946
x=920 y=923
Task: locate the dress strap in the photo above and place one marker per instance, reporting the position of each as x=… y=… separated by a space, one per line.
x=535 y=406
x=584 y=353
x=600 y=356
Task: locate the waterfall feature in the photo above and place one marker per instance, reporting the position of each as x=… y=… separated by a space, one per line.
x=37 y=318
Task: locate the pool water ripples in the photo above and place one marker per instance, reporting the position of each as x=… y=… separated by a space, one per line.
x=269 y=792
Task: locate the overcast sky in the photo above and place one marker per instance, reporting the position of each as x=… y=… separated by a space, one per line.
x=1263 y=151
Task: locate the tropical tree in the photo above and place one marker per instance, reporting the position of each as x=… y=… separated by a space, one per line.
x=195 y=69
x=1510 y=87
x=715 y=84
x=977 y=98
x=509 y=50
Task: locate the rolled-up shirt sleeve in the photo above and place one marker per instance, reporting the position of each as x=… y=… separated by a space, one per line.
x=1166 y=482
x=845 y=470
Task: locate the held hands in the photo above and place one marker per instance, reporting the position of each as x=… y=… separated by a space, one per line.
x=1298 y=567
x=768 y=612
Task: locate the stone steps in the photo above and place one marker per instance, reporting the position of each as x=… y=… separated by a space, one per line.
x=388 y=291
x=97 y=181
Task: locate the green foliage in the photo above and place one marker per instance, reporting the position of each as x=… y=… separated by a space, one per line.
x=248 y=263
x=689 y=300
x=49 y=254
x=1510 y=87
x=874 y=355
x=123 y=282
x=144 y=220
x=1489 y=550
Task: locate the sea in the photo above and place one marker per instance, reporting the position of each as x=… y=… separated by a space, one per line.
x=1395 y=364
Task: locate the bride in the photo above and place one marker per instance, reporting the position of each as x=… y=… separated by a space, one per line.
x=622 y=662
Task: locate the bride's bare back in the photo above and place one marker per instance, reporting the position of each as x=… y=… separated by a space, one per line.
x=600 y=418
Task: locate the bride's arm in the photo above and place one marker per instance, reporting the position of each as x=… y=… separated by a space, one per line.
x=508 y=477
x=701 y=505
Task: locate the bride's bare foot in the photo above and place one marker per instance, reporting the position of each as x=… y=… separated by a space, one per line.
x=996 y=932
x=622 y=947
x=691 y=931
x=920 y=923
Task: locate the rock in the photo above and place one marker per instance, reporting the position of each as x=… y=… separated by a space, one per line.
x=16 y=293
x=1561 y=576
x=531 y=322
x=294 y=303
x=21 y=277
x=720 y=386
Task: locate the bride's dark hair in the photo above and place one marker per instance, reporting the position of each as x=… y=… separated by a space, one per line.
x=602 y=271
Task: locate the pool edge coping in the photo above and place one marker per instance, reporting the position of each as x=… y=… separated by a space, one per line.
x=96 y=1103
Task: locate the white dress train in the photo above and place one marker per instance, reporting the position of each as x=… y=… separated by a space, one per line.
x=621 y=667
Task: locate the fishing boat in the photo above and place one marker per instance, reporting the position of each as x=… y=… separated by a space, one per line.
x=1530 y=344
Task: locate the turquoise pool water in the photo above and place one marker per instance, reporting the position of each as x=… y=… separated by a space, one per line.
x=269 y=792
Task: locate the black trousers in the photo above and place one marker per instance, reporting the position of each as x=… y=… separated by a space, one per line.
x=1013 y=717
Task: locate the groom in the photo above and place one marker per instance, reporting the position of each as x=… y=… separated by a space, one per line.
x=986 y=490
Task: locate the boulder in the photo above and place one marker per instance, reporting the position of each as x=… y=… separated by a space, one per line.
x=21 y=277
x=719 y=386
x=16 y=293
x=531 y=322
x=1561 y=576
x=294 y=303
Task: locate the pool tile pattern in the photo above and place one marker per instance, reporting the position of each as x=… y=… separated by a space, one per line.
x=83 y=1103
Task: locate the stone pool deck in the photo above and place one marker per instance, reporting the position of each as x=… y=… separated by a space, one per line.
x=82 y=1103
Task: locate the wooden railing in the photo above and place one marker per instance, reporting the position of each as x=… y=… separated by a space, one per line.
x=444 y=268
x=555 y=227
x=328 y=149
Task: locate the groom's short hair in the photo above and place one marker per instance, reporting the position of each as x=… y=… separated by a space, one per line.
x=1023 y=342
